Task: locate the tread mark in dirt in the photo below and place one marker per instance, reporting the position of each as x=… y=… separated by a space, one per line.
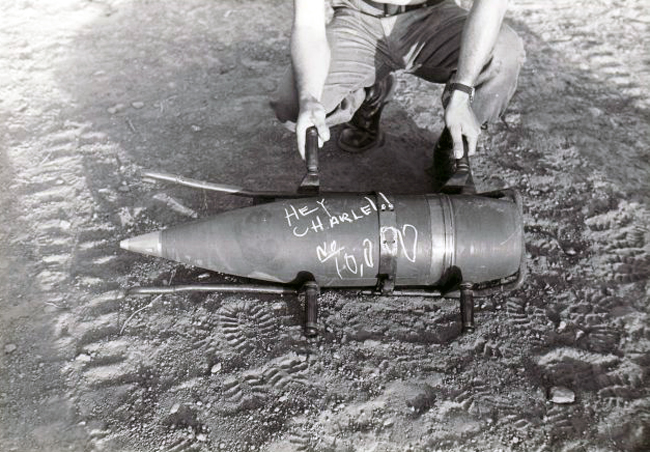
x=516 y=309
x=183 y=445
x=521 y=424
x=286 y=371
x=251 y=388
x=619 y=237
x=602 y=338
x=245 y=392
x=564 y=421
x=527 y=320
x=301 y=441
x=249 y=325
x=618 y=395
x=593 y=373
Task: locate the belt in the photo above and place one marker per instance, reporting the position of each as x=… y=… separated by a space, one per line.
x=388 y=10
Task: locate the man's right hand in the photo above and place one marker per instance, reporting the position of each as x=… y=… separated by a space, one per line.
x=312 y=113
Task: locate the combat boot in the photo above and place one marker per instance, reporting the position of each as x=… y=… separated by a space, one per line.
x=363 y=132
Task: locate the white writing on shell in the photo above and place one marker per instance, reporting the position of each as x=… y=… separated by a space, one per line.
x=354 y=263
x=313 y=222
x=346 y=262
x=408 y=240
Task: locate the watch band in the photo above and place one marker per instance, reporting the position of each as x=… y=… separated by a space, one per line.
x=464 y=88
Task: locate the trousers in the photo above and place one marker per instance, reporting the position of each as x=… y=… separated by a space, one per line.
x=366 y=46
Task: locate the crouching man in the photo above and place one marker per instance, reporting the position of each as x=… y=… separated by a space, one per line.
x=342 y=70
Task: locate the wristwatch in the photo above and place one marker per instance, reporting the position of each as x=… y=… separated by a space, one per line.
x=464 y=88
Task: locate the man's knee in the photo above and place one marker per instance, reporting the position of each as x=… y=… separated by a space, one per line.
x=498 y=82
x=339 y=108
x=284 y=111
x=510 y=53
x=284 y=101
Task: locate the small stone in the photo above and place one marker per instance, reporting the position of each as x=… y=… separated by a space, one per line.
x=570 y=252
x=195 y=128
x=561 y=395
x=83 y=358
x=137 y=105
x=115 y=108
x=423 y=400
x=595 y=112
x=10 y=348
x=202 y=437
x=216 y=368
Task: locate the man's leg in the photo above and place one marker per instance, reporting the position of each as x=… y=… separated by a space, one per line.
x=498 y=80
x=430 y=43
x=355 y=64
x=363 y=131
x=494 y=88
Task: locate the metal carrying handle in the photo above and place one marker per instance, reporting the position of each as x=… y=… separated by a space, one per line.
x=311 y=150
x=462 y=164
x=462 y=181
x=311 y=182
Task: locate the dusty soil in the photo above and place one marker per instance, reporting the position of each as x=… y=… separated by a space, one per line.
x=91 y=92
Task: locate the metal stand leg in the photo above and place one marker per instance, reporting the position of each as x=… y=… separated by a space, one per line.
x=312 y=292
x=467 y=307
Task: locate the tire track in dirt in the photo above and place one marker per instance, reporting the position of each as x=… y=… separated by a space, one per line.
x=589 y=240
x=598 y=84
x=53 y=199
x=75 y=225
x=586 y=219
x=77 y=249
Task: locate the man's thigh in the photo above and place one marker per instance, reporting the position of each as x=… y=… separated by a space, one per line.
x=428 y=40
x=357 y=59
x=429 y=43
x=358 y=56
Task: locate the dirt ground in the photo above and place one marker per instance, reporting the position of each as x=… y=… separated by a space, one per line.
x=92 y=92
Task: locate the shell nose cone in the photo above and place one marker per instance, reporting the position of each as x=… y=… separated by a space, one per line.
x=150 y=244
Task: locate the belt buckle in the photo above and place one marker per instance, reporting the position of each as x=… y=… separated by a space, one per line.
x=393 y=10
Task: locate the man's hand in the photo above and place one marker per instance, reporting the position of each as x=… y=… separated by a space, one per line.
x=477 y=42
x=311 y=113
x=462 y=123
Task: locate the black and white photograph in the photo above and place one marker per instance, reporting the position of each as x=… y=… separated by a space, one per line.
x=324 y=226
